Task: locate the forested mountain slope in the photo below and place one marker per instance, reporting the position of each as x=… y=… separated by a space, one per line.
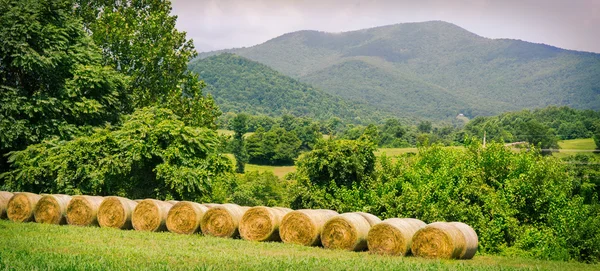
x=434 y=69
x=242 y=85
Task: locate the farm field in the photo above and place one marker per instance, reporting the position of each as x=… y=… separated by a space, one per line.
x=32 y=246
x=574 y=146
x=571 y=147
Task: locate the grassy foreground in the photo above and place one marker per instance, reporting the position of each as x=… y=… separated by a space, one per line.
x=32 y=246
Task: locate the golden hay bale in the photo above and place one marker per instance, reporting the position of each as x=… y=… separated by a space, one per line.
x=21 y=205
x=115 y=212
x=471 y=240
x=83 y=210
x=262 y=223
x=347 y=231
x=211 y=205
x=185 y=217
x=304 y=227
x=393 y=236
x=372 y=219
x=52 y=209
x=151 y=215
x=223 y=220
x=4 y=198
x=438 y=240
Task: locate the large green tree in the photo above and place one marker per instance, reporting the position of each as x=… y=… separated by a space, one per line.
x=52 y=78
x=153 y=154
x=139 y=38
x=239 y=124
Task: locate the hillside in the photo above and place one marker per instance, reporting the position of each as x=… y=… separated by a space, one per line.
x=434 y=69
x=242 y=85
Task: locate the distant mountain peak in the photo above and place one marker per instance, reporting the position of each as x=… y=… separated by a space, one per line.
x=434 y=69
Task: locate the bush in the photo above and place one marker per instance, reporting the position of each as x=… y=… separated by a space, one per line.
x=344 y=162
x=260 y=189
x=517 y=202
x=152 y=155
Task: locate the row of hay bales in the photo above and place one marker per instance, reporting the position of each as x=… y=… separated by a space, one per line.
x=356 y=231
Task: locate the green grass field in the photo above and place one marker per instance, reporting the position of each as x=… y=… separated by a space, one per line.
x=574 y=146
x=31 y=246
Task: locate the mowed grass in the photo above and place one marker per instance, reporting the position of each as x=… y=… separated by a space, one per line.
x=31 y=246
x=575 y=146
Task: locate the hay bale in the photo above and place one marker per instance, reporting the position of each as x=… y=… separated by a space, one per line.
x=151 y=215
x=438 y=240
x=223 y=220
x=83 y=210
x=211 y=205
x=393 y=236
x=185 y=217
x=4 y=198
x=304 y=227
x=115 y=212
x=262 y=223
x=20 y=207
x=52 y=209
x=471 y=240
x=372 y=219
x=348 y=231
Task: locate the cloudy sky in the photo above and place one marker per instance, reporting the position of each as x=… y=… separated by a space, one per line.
x=215 y=24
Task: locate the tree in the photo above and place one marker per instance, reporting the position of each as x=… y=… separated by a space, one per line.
x=239 y=124
x=424 y=126
x=597 y=135
x=344 y=162
x=52 y=79
x=152 y=155
x=139 y=38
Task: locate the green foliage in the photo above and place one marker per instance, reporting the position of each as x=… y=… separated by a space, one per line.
x=52 y=79
x=238 y=146
x=596 y=135
x=518 y=202
x=139 y=39
x=275 y=147
x=433 y=70
x=260 y=189
x=343 y=162
x=152 y=155
x=541 y=127
x=242 y=85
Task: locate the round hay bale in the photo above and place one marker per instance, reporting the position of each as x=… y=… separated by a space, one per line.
x=21 y=205
x=151 y=215
x=347 y=231
x=211 y=205
x=438 y=240
x=304 y=227
x=115 y=212
x=185 y=217
x=262 y=223
x=471 y=240
x=4 y=198
x=393 y=236
x=372 y=219
x=52 y=209
x=223 y=220
x=173 y=202
x=83 y=210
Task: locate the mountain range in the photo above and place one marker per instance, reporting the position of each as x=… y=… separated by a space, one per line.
x=242 y=85
x=432 y=70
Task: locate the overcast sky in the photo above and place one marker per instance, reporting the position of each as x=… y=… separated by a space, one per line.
x=214 y=24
